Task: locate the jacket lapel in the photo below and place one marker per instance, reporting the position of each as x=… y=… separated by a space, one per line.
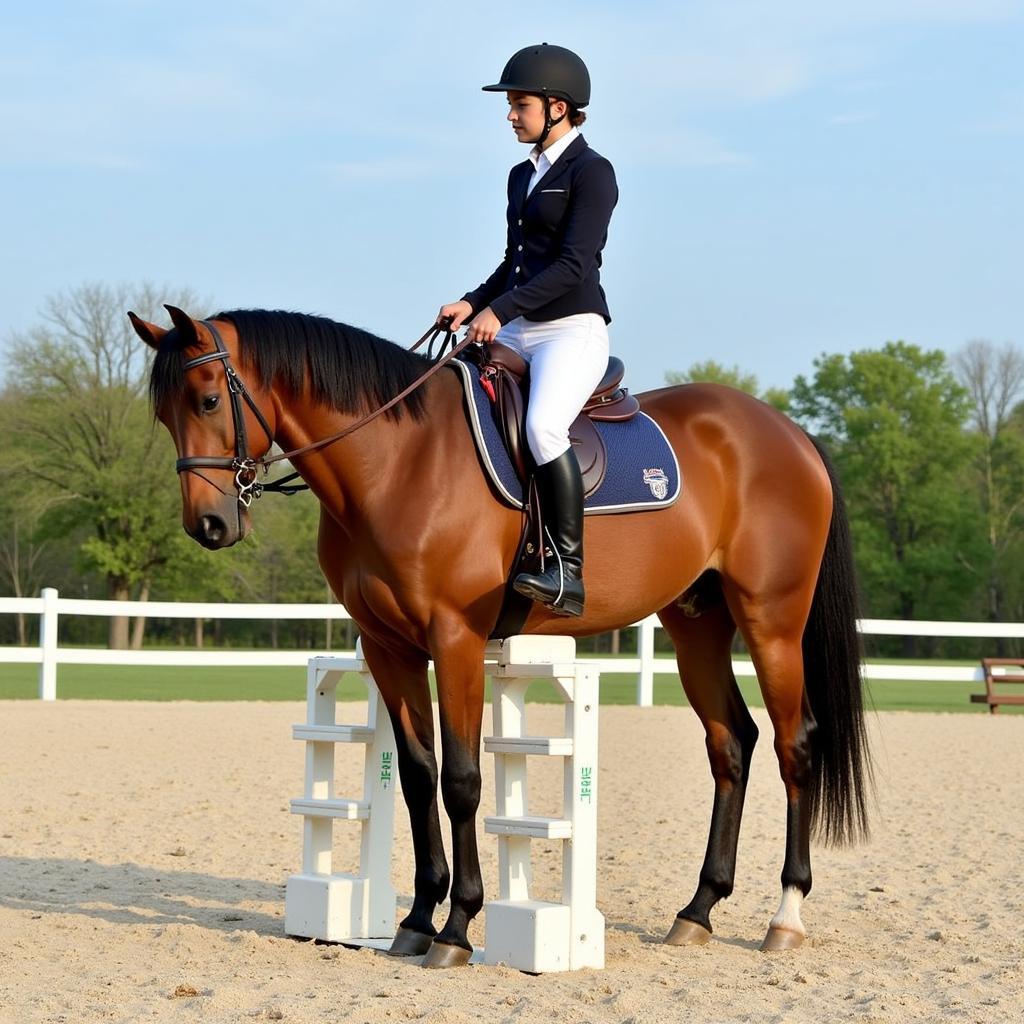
x=560 y=167
x=520 y=183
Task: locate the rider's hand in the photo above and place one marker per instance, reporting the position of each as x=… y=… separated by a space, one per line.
x=484 y=327
x=458 y=311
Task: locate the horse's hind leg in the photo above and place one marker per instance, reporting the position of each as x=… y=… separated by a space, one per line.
x=705 y=667
x=401 y=676
x=773 y=629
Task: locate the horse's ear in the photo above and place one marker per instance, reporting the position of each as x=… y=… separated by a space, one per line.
x=185 y=324
x=151 y=334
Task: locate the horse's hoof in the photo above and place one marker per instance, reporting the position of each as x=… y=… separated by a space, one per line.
x=410 y=943
x=687 y=933
x=781 y=938
x=441 y=955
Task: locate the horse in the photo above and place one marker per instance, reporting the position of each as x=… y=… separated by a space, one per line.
x=415 y=543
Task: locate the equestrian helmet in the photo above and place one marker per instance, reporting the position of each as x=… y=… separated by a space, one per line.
x=549 y=71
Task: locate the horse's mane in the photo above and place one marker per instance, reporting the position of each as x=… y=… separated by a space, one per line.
x=340 y=366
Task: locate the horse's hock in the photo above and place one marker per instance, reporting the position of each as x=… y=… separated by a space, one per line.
x=527 y=934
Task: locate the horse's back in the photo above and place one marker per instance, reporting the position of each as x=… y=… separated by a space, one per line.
x=737 y=432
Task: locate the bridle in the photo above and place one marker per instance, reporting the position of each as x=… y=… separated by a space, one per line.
x=246 y=467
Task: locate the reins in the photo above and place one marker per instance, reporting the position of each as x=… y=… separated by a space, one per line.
x=245 y=466
x=441 y=361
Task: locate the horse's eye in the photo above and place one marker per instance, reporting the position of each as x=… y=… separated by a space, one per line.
x=210 y=402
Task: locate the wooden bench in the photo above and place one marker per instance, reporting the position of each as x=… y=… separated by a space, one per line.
x=996 y=673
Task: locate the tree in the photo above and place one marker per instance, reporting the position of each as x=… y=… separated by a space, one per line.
x=994 y=378
x=712 y=372
x=25 y=558
x=893 y=419
x=78 y=425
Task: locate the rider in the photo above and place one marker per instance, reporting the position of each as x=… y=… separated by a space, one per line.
x=545 y=299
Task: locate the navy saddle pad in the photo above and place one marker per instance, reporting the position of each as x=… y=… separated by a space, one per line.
x=643 y=472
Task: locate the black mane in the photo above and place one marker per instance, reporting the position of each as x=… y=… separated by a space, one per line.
x=340 y=366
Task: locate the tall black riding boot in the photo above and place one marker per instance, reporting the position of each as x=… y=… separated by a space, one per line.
x=560 y=586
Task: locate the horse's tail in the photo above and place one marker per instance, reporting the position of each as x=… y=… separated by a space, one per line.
x=841 y=765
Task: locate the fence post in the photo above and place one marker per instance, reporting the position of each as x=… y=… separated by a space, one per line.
x=645 y=651
x=48 y=643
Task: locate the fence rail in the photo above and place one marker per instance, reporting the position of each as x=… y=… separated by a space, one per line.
x=48 y=654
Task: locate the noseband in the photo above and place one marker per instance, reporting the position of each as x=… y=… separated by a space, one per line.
x=246 y=468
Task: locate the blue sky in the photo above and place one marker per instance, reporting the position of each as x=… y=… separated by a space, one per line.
x=796 y=177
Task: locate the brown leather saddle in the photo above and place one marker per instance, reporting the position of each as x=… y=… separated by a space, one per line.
x=505 y=376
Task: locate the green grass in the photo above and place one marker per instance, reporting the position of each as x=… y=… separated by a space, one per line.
x=102 y=682
x=112 y=682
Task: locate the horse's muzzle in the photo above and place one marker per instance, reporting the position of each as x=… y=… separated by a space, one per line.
x=214 y=532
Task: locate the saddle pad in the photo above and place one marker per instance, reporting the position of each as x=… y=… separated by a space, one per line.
x=642 y=469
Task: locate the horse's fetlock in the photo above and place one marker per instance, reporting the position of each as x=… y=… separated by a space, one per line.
x=720 y=883
x=469 y=897
x=797 y=878
x=434 y=883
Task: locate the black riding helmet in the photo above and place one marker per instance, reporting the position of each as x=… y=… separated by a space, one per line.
x=546 y=71
x=552 y=72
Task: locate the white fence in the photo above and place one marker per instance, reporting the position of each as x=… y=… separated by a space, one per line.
x=49 y=654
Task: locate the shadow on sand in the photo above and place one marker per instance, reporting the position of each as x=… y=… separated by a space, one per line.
x=131 y=894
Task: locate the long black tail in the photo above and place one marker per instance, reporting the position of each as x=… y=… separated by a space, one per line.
x=841 y=764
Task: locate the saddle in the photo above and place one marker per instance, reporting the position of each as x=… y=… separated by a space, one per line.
x=505 y=376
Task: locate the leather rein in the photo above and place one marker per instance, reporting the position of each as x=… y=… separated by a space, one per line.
x=246 y=467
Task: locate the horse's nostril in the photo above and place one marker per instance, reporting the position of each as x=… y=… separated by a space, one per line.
x=212 y=529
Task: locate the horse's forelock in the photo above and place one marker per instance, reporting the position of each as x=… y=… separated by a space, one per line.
x=167 y=377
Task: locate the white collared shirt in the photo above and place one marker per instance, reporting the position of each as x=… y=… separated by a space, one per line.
x=544 y=159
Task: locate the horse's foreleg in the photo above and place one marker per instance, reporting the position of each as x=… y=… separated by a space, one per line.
x=401 y=676
x=458 y=664
x=703 y=655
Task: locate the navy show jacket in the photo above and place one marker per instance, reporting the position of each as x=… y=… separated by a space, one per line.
x=552 y=258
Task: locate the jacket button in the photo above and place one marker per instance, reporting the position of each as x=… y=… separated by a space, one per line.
x=520 y=248
x=520 y=222
x=518 y=269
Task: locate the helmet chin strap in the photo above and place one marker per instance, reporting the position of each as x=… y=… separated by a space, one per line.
x=548 y=123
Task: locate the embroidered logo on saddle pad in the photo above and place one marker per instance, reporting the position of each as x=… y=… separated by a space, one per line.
x=634 y=447
x=657 y=480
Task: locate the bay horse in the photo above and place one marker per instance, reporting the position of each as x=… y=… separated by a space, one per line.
x=418 y=548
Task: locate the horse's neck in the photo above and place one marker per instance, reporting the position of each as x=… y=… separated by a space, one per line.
x=357 y=477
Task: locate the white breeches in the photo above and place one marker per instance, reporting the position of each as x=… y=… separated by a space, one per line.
x=567 y=360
